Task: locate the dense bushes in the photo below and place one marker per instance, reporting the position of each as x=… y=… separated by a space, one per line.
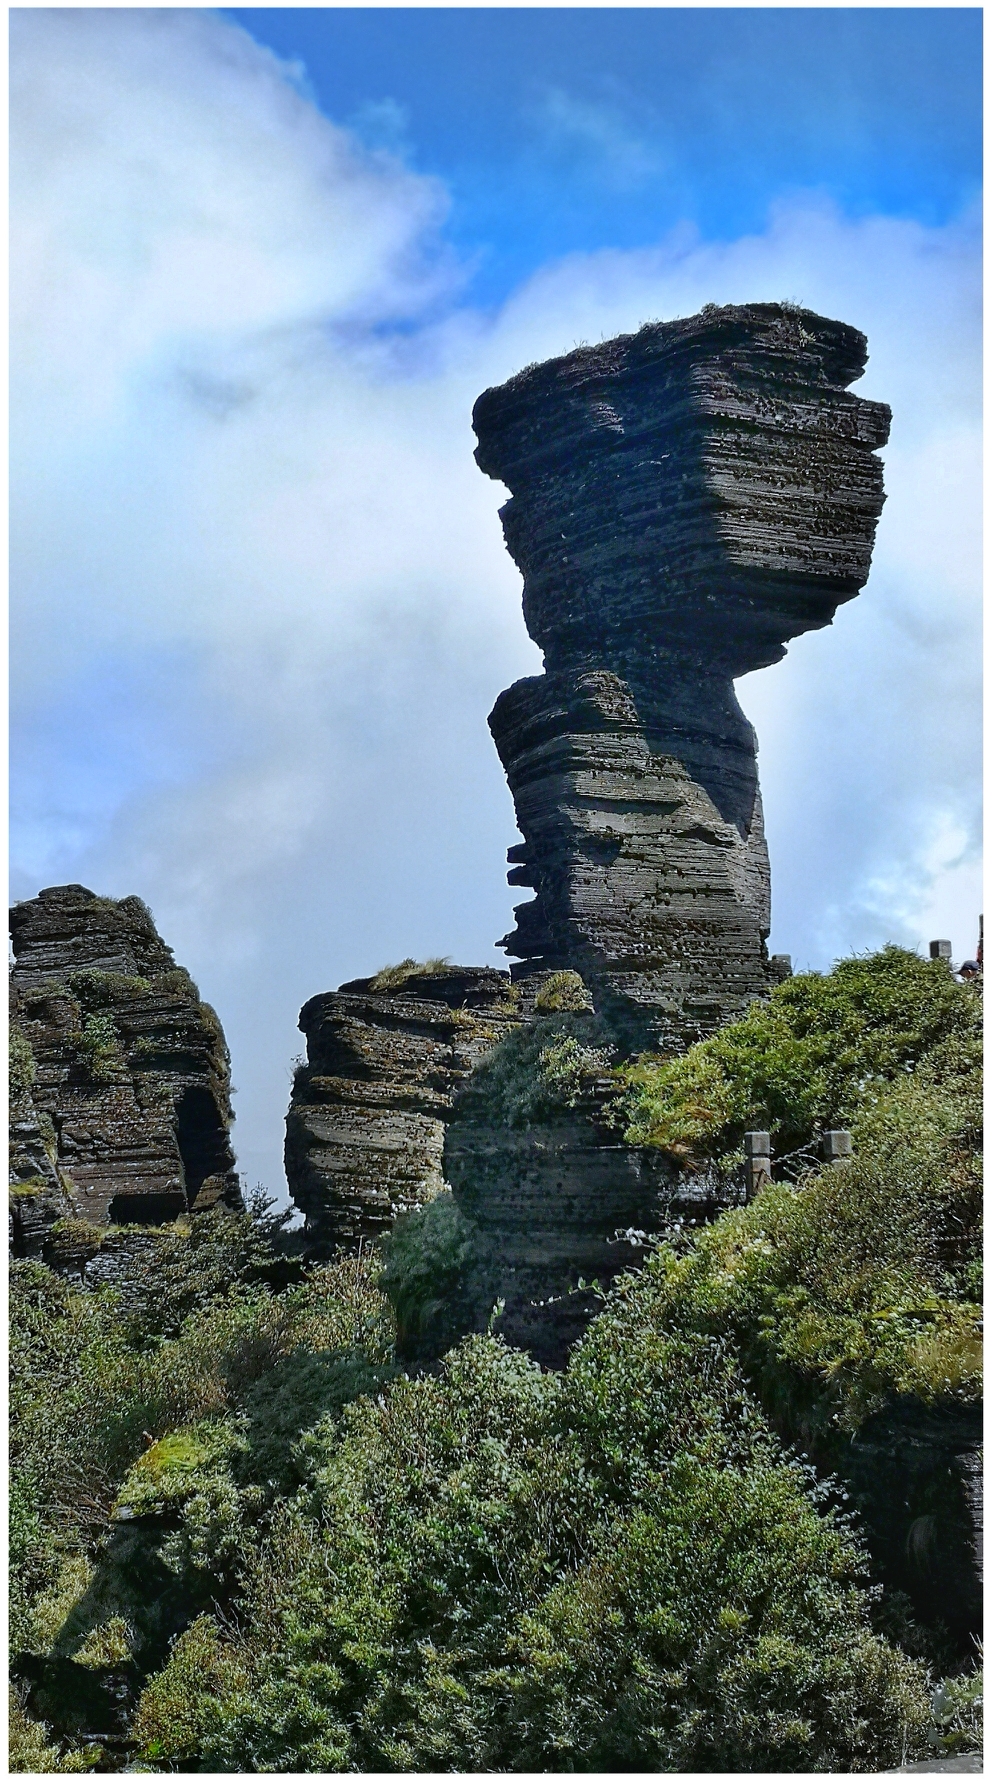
x=272 y=1551
x=496 y=1568
x=815 y=1055
x=538 y=1071
x=187 y=1332
x=489 y=1567
x=429 y=1270
x=857 y=1283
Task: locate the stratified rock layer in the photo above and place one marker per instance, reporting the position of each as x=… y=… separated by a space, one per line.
x=684 y=501
x=121 y=1110
x=555 y=1208
x=365 y=1128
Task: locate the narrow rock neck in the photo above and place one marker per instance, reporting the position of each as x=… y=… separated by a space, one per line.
x=686 y=708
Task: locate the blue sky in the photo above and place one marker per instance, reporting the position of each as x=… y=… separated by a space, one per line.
x=562 y=130
x=263 y=262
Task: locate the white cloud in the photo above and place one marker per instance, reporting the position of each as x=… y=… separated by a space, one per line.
x=600 y=135
x=261 y=604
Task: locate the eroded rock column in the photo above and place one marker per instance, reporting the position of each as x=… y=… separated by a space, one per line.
x=684 y=500
x=121 y=1108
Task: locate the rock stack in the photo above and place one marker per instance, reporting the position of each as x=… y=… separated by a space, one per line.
x=120 y=1078
x=385 y=1055
x=684 y=500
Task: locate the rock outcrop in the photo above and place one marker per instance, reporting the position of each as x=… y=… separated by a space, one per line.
x=385 y=1055
x=914 y=1473
x=120 y=1107
x=550 y=1194
x=685 y=500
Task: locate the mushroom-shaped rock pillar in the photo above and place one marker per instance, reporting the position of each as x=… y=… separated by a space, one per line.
x=684 y=500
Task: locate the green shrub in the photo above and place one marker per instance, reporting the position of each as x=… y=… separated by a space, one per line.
x=173 y=1468
x=100 y=1045
x=22 y=1068
x=298 y=1391
x=496 y=1569
x=95 y=1375
x=957 y=1713
x=186 y=1476
x=180 y=1708
x=30 y=1753
x=94 y=989
x=563 y=993
x=184 y=1267
x=566 y=1068
x=815 y=1055
x=427 y=1254
x=537 y=1071
x=855 y=1284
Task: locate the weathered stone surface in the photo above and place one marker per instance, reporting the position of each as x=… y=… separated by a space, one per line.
x=561 y=1203
x=365 y=1128
x=552 y=1194
x=915 y=1475
x=123 y=1107
x=684 y=501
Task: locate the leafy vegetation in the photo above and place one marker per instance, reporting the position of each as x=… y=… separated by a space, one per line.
x=99 y=1042
x=244 y=1540
x=494 y=1568
x=563 y=993
x=957 y=1712
x=539 y=1070
x=95 y=989
x=428 y=1256
x=859 y=1281
x=816 y=1055
x=30 y=1753
x=486 y=1568
x=186 y=1333
x=22 y=1068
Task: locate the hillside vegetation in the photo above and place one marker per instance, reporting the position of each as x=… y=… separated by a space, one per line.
x=245 y=1541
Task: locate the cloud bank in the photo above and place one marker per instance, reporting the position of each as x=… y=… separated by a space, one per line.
x=260 y=603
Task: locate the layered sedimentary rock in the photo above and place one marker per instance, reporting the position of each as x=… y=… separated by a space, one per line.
x=684 y=500
x=539 y=1284
x=556 y=1201
x=385 y=1055
x=121 y=1106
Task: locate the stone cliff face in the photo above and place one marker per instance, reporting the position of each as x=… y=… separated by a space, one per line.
x=120 y=1074
x=556 y=1203
x=684 y=501
x=914 y=1473
x=365 y=1128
